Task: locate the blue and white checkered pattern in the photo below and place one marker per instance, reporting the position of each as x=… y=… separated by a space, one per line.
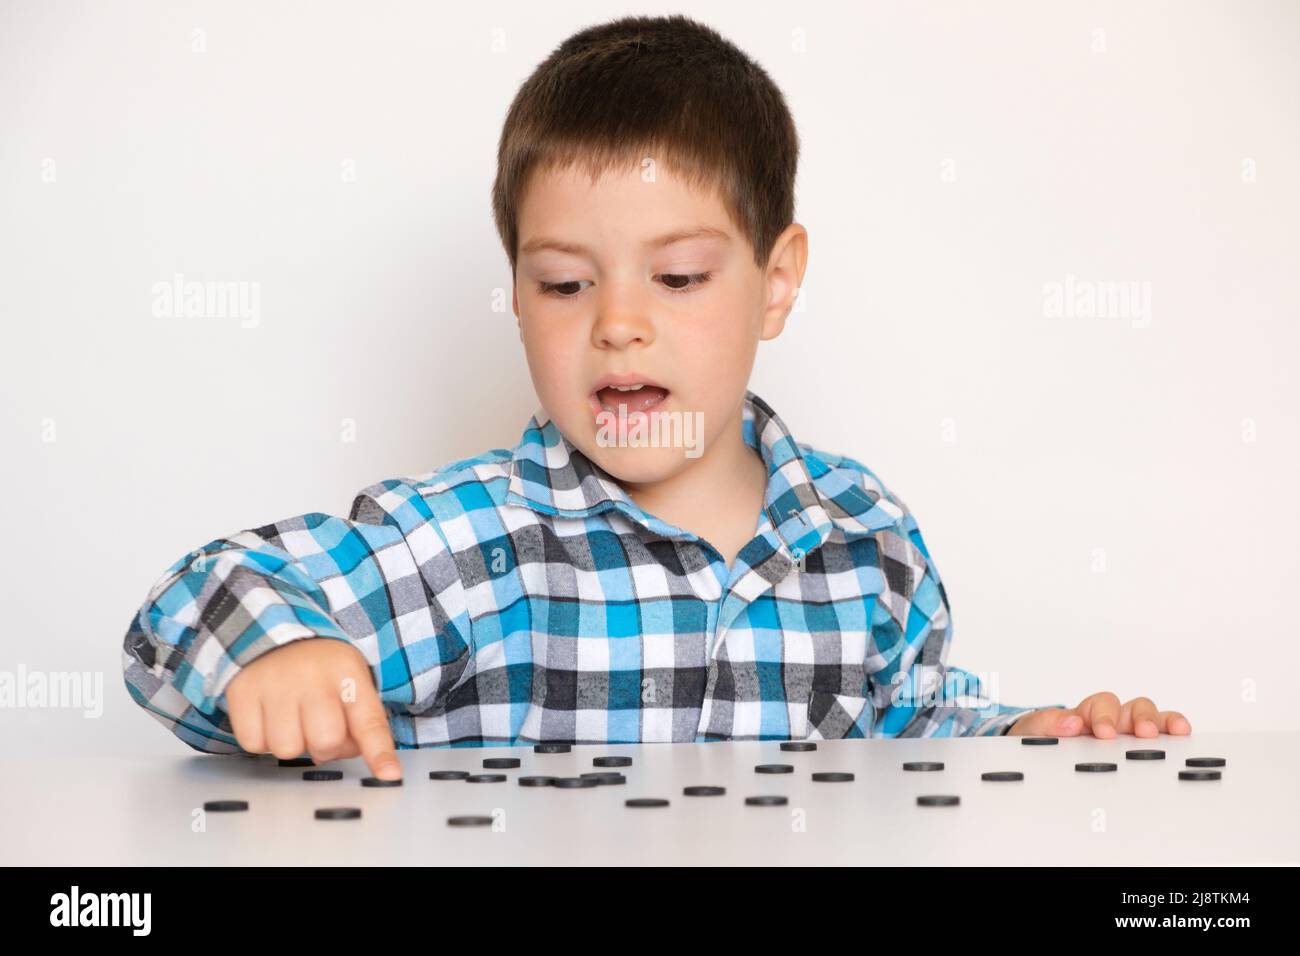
x=522 y=596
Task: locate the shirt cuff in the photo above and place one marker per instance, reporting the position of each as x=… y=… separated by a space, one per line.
x=1000 y=724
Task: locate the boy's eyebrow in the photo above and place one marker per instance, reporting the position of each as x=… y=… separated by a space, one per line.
x=699 y=232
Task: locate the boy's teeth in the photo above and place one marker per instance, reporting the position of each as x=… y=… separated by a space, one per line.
x=637 y=398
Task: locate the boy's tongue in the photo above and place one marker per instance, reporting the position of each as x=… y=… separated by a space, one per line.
x=645 y=397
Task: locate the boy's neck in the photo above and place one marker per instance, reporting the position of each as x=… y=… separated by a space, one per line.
x=727 y=471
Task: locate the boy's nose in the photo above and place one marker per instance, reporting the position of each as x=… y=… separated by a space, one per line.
x=619 y=328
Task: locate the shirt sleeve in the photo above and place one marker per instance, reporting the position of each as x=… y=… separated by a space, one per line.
x=383 y=579
x=914 y=692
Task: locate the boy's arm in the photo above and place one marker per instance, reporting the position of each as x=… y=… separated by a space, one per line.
x=391 y=590
x=915 y=694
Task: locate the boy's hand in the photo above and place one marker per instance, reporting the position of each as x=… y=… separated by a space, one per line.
x=1102 y=715
x=292 y=699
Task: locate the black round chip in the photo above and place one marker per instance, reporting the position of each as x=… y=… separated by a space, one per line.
x=774 y=768
x=377 y=782
x=297 y=762
x=798 y=746
x=938 y=800
x=501 y=763
x=225 y=806
x=536 y=781
x=612 y=762
x=574 y=783
x=1144 y=754
x=338 y=813
x=923 y=765
x=767 y=800
x=322 y=775
x=1002 y=775
x=448 y=774
x=1096 y=767
x=551 y=748
x=1199 y=774
x=1039 y=741
x=1206 y=762
x=469 y=821
x=645 y=802
x=704 y=791
x=606 y=776
x=485 y=777
x=832 y=776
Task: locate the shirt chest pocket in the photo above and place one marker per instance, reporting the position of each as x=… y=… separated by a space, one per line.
x=836 y=716
x=834 y=682
x=819 y=672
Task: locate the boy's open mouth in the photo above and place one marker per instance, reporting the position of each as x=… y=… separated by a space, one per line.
x=636 y=392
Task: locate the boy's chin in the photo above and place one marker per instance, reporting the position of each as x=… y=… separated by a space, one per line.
x=641 y=466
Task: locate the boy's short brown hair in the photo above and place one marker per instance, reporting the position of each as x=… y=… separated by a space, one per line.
x=668 y=88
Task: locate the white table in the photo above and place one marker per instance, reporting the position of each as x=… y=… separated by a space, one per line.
x=102 y=811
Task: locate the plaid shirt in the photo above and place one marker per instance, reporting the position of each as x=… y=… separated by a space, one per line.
x=522 y=596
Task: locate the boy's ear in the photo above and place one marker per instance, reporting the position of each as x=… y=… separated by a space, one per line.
x=514 y=304
x=785 y=269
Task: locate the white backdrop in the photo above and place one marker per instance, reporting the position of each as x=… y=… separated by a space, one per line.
x=1108 y=495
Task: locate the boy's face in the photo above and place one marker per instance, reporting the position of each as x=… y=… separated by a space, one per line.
x=683 y=317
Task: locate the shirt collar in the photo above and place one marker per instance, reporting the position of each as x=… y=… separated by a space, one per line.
x=804 y=499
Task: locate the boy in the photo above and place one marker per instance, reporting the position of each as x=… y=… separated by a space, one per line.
x=594 y=584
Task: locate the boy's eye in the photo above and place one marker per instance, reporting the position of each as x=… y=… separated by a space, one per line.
x=673 y=282
x=561 y=290
x=680 y=283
